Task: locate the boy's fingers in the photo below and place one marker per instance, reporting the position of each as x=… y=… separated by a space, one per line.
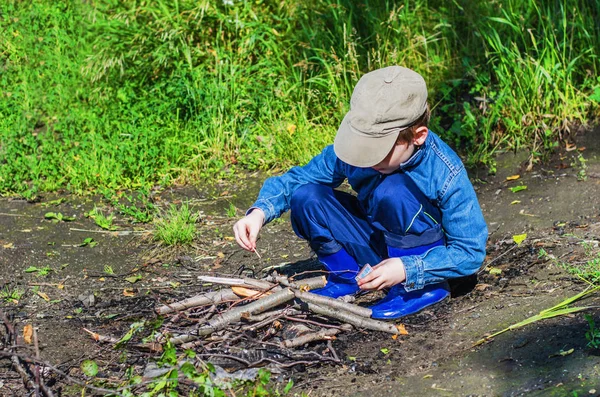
x=240 y=232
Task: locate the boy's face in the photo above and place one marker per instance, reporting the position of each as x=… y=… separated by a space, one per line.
x=401 y=152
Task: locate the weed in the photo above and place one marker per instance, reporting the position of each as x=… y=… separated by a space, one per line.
x=190 y=90
x=109 y=270
x=231 y=211
x=58 y=217
x=593 y=334
x=88 y=242
x=105 y=222
x=176 y=226
x=11 y=295
x=39 y=271
x=581 y=164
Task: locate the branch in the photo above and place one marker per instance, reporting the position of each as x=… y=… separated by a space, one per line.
x=234 y=315
x=327 y=334
x=333 y=303
x=351 y=318
x=209 y=298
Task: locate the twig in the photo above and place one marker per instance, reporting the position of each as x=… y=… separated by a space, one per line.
x=496 y=258
x=332 y=350
x=114 y=232
x=313 y=336
x=318 y=324
x=51 y=367
x=238 y=282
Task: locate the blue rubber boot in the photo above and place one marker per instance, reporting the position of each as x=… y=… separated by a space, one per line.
x=342 y=269
x=399 y=302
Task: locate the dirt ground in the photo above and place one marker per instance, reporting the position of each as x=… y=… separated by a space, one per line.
x=558 y=211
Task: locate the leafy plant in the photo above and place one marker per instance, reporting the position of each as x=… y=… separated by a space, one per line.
x=39 y=271
x=177 y=226
x=231 y=211
x=11 y=295
x=89 y=242
x=58 y=217
x=105 y=222
x=593 y=334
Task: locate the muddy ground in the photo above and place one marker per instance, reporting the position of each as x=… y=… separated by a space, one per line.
x=559 y=210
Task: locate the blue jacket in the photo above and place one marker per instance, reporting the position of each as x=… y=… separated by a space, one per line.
x=437 y=171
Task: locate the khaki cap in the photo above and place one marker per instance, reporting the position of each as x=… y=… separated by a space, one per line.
x=384 y=103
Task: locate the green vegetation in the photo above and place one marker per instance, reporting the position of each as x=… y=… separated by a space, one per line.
x=176 y=226
x=129 y=94
x=105 y=222
x=593 y=334
x=11 y=295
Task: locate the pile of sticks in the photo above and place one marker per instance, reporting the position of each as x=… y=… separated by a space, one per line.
x=251 y=322
x=29 y=368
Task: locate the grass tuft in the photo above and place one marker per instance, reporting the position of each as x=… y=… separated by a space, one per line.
x=177 y=226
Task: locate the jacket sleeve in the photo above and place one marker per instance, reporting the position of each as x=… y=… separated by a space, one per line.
x=466 y=236
x=276 y=193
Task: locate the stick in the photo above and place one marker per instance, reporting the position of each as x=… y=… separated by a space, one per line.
x=113 y=232
x=209 y=298
x=313 y=336
x=333 y=303
x=238 y=282
x=307 y=283
x=357 y=321
x=46 y=364
x=234 y=315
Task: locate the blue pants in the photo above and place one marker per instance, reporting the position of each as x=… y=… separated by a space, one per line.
x=396 y=215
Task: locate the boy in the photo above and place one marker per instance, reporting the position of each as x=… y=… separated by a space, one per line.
x=415 y=216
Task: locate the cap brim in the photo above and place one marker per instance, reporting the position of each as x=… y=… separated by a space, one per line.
x=359 y=150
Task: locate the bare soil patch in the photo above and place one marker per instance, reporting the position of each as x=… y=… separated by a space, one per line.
x=558 y=210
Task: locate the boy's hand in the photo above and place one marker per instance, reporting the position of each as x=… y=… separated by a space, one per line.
x=246 y=229
x=387 y=273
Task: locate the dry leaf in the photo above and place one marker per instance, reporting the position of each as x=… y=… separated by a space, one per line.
x=570 y=147
x=513 y=177
x=247 y=292
x=128 y=292
x=28 y=333
x=482 y=287
x=220 y=255
x=402 y=329
x=43 y=296
x=7 y=246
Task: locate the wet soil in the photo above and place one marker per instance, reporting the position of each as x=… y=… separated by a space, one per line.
x=124 y=276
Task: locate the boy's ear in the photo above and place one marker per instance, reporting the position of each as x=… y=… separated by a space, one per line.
x=420 y=135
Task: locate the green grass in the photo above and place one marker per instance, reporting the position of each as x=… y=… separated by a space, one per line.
x=177 y=226
x=105 y=96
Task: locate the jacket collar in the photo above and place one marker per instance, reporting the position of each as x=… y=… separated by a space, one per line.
x=419 y=153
